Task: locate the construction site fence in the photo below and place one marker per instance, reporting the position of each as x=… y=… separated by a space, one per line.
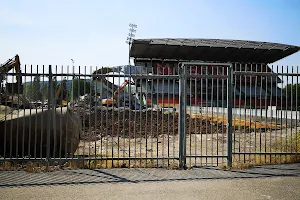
x=221 y=114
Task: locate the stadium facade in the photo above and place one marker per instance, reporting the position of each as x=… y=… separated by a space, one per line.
x=162 y=56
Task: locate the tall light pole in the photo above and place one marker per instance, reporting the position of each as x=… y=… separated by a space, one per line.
x=131 y=35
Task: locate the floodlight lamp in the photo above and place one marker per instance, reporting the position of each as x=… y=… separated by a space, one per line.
x=131 y=35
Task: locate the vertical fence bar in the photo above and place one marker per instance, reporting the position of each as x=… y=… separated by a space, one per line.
x=292 y=109
x=217 y=141
x=140 y=99
x=18 y=112
x=281 y=112
x=286 y=116
x=168 y=143
x=162 y=115
x=296 y=125
x=182 y=118
x=118 y=129
x=102 y=110
x=36 y=107
x=271 y=117
x=250 y=114
x=212 y=114
x=31 y=98
x=255 y=108
x=206 y=114
x=190 y=113
x=95 y=118
x=239 y=124
x=152 y=91
x=113 y=121
x=223 y=110
x=266 y=110
x=261 y=109
x=11 y=122
x=67 y=119
x=174 y=116
x=159 y=95
x=196 y=105
x=63 y=84
x=276 y=119
x=129 y=116
x=73 y=107
x=23 y=132
x=132 y=105
x=201 y=118
x=229 y=116
x=245 y=110
x=146 y=112
x=83 y=103
x=54 y=114
x=159 y=107
x=49 y=113
x=107 y=123
x=91 y=102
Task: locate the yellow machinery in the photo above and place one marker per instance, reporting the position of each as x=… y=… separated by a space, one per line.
x=9 y=96
x=61 y=102
x=114 y=100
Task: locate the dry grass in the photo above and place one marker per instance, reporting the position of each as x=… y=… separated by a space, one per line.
x=238 y=123
x=30 y=166
x=292 y=145
x=39 y=167
x=106 y=164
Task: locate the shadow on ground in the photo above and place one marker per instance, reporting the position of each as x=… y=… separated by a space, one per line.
x=104 y=176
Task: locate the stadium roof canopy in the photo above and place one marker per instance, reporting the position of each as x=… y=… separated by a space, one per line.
x=215 y=50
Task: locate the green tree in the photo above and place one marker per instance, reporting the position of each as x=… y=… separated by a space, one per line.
x=33 y=90
x=81 y=87
x=293 y=94
x=44 y=90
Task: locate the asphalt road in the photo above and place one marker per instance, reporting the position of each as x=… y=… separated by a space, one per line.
x=258 y=182
x=253 y=188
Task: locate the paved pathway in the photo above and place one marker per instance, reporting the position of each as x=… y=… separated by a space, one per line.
x=261 y=182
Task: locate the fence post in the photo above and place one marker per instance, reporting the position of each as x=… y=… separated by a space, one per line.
x=50 y=103
x=182 y=118
x=229 y=116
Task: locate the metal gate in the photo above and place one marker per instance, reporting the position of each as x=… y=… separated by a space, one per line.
x=205 y=141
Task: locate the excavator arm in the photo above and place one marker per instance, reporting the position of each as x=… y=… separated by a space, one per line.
x=9 y=65
x=121 y=88
x=8 y=95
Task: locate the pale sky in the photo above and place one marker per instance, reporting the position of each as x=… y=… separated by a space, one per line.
x=93 y=33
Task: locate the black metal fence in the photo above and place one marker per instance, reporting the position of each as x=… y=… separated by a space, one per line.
x=219 y=114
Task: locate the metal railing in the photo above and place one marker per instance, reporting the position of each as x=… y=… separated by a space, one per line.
x=206 y=114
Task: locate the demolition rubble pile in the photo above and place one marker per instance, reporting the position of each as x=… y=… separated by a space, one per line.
x=103 y=122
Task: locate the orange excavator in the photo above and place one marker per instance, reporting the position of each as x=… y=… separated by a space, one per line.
x=115 y=100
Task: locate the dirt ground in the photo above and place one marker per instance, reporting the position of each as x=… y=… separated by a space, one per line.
x=153 y=134
x=126 y=123
x=206 y=145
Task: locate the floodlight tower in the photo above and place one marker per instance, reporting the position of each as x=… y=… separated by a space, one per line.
x=131 y=35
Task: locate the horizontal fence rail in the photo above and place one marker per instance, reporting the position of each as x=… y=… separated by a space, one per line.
x=154 y=114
